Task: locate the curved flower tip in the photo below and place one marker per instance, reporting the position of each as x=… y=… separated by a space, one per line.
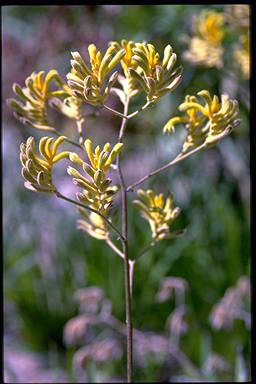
x=155 y=76
x=90 y=84
x=33 y=98
x=93 y=225
x=97 y=191
x=38 y=171
x=159 y=213
x=205 y=124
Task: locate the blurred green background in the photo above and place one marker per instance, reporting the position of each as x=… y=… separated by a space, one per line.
x=46 y=259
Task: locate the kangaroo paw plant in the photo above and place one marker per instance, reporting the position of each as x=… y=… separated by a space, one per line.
x=125 y=70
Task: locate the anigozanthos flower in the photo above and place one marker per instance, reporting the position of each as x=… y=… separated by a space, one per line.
x=34 y=96
x=205 y=123
x=205 y=47
x=130 y=86
x=157 y=77
x=91 y=84
x=97 y=189
x=93 y=224
x=242 y=56
x=65 y=102
x=38 y=171
x=159 y=213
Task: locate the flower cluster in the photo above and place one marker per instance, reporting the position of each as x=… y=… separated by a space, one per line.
x=90 y=84
x=159 y=213
x=205 y=124
x=34 y=96
x=66 y=103
x=156 y=77
x=97 y=192
x=205 y=47
x=130 y=86
x=38 y=171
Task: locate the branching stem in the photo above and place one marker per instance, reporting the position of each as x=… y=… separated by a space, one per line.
x=168 y=165
x=115 y=249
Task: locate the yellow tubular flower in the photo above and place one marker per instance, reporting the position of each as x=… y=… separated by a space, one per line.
x=130 y=86
x=201 y=52
x=205 y=47
x=32 y=107
x=38 y=171
x=93 y=225
x=89 y=83
x=206 y=123
x=242 y=56
x=209 y=26
x=97 y=191
x=159 y=213
x=66 y=103
x=156 y=77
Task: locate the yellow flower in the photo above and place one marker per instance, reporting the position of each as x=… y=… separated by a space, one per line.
x=32 y=107
x=242 y=56
x=209 y=26
x=94 y=225
x=157 y=77
x=205 y=47
x=206 y=123
x=201 y=52
x=38 y=171
x=158 y=212
x=130 y=86
x=65 y=102
x=97 y=191
x=90 y=83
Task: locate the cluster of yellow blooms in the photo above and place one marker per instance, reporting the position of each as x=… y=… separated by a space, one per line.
x=97 y=190
x=143 y=71
x=38 y=171
x=205 y=47
x=159 y=213
x=205 y=124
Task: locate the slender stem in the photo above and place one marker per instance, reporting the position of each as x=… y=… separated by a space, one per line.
x=58 y=194
x=146 y=105
x=79 y=124
x=131 y=262
x=115 y=249
x=115 y=112
x=127 y=117
x=128 y=305
x=168 y=165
